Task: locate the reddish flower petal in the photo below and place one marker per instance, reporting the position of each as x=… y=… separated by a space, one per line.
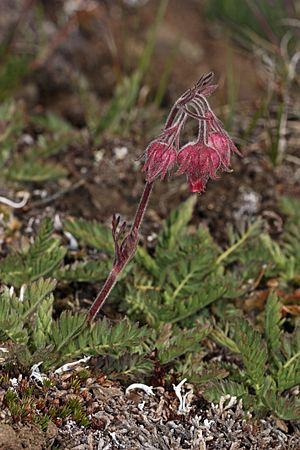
x=160 y=158
x=212 y=161
x=197 y=185
x=153 y=153
x=198 y=158
x=221 y=144
x=200 y=163
x=185 y=157
x=168 y=161
x=224 y=146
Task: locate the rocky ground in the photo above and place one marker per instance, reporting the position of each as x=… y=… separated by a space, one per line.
x=136 y=420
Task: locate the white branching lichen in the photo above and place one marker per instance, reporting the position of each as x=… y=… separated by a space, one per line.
x=36 y=373
x=147 y=389
x=69 y=366
x=183 y=405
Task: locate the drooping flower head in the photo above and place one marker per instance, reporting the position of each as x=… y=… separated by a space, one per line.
x=199 y=160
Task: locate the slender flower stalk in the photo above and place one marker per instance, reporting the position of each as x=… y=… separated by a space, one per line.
x=200 y=160
x=124 y=251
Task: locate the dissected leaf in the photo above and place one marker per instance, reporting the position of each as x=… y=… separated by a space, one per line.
x=174 y=225
x=181 y=343
x=91 y=233
x=273 y=323
x=253 y=352
x=214 y=391
x=41 y=259
x=31 y=169
x=83 y=271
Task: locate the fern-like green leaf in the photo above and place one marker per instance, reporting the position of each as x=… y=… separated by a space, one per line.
x=223 y=338
x=34 y=294
x=34 y=170
x=253 y=352
x=183 y=342
x=146 y=261
x=66 y=329
x=103 y=338
x=158 y=308
x=214 y=391
x=83 y=271
x=128 y=365
x=121 y=336
x=41 y=259
x=288 y=376
x=273 y=323
x=11 y=327
x=174 y=225
x=291 y=345
x=284 y=263
x=43 y=322
x=13 y=270
x=179 y=281
x=286 y=408
x=91 y=233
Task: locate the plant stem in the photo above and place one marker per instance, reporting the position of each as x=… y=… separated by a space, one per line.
x=119 y=266
x=139 y=215
x=291 y=360
x=238 y=243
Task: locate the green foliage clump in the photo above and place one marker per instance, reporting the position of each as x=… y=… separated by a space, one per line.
x=171 y=292
x=28 y=322
x=30 y=163
x=263 y=18
x=270 y=365
x=40 y=259
x=181 y=278
x=26 y=405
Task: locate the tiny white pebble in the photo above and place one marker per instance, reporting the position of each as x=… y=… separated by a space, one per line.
x=120 y=152
x=99 y=155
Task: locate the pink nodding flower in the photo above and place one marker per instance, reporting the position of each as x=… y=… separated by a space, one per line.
x=200 y=162
x=219 y=140
x=161 y=158
x=161 y=153
x=223 y=145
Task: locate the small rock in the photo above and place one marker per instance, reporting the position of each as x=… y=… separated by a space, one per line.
x=8 y=438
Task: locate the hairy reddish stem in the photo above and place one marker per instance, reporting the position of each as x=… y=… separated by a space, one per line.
x=139 y=215
x=126 y=252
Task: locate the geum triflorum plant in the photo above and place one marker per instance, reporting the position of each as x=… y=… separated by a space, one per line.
x=200 y=160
